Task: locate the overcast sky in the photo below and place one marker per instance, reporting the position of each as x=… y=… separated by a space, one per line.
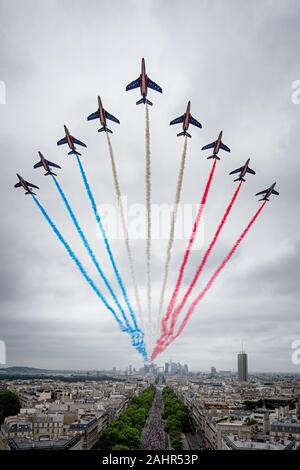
x=236 y=61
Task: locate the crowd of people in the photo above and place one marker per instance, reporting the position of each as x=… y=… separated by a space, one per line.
x=154 y=436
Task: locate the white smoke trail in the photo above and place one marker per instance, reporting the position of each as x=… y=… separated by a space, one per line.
x=148 y=214
x=172 y=228
x=124 y=228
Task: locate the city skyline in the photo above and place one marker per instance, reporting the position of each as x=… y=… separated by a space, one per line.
x=212 y=370
x=92 y=412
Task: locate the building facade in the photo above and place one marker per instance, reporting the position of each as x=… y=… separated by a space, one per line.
x=242 y=363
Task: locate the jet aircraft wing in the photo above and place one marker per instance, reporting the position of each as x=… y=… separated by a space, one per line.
x=177 y=120
x=195 y=122
x=208 y=146
x=78 y=142
x=53 y=164
x=111 y=117
x=262 y=192
x=224 y=147
x=238 y=170
x=154 y=86
x=62 y=141
x=134 y=84
x=94 y=115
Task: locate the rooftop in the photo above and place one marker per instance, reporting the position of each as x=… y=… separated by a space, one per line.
x=234 y=443
x=52 y=444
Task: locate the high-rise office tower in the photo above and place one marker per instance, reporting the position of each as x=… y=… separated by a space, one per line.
x=242 y=363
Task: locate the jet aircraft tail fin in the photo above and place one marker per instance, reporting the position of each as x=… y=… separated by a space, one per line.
x=145 y=101
x=213 y=156
x=184 y=133
x=105 y=129
x=239 y=179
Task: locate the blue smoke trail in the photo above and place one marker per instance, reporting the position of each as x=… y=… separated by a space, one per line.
x=137 y=340
x=98 y=219
x=78 y=263
x=89 y=250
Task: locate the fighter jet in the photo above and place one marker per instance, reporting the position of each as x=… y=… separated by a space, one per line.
x=71 y=141
x=144 y=83
x=217 y=145
x=243 y=170
x=267 y=193
x=25 y=185
x=46 y=164
x=102 y=115
x=186 y=120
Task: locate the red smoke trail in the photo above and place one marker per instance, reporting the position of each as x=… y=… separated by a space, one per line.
x=187 y=253
x=157 y=350
x=161 y=345
x=204 y=260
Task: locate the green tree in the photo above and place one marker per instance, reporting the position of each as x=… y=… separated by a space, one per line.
x=177 y=443
x=126 y=430
x=176 y=416
x=110 y=438
x=130 y=437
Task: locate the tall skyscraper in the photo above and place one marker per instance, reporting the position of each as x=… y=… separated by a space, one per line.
x=242 y=363
x=213 y=371
x=173 y=367
x=167 y=367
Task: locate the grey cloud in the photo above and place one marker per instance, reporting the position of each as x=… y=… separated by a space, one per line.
x=236 y=65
